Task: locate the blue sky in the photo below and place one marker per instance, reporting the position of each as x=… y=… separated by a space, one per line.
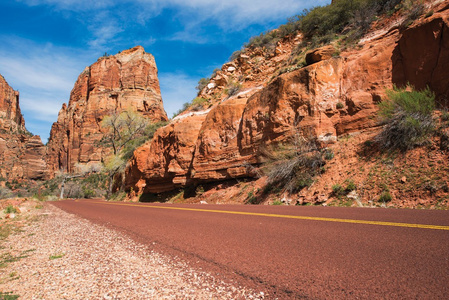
x=46 y=44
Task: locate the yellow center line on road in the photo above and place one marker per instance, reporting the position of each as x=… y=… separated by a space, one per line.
x=381 y=223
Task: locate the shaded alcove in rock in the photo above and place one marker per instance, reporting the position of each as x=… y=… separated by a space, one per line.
x=421 y=58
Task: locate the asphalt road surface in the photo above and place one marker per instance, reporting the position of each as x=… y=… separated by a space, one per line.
x=294 y=252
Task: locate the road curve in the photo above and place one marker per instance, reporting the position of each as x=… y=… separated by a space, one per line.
x=294 y=252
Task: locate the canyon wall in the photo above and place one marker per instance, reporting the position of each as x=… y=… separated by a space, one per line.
x=334 y=95
x=125 y=81
x=22 y=155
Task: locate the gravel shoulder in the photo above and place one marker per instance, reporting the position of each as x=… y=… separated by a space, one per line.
x=56 y=255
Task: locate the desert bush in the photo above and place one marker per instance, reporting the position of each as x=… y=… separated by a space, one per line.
x=10 y=210
x=251 y=198
x=202 y=83
x=295 y=167
x=350 y=186
x=6 y=193
x=413 y=9
x=118 y=196
x=337 y=189
x=88 y=192
x=328 y=154
x=185 y=106
x=265 y=40
x=407 y=115
x=321 y=23
x=198 y=103
x=235 y=55
x=385 y=197
x=233 y=88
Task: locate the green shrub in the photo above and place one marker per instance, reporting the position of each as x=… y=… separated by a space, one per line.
x=198 y=102
x=340 y=105
x=88 y=193
x=407 y=115
x=323 y=22
x=185 y=106
x=118 y=196
x=385 y=197
x=350 y=186
x=8 y=296
x=6 y=192
x=251 y=198
x=328 y=154
x=202 y=83
x=199 y=190
x=265 y=40
x=10 y=210
x=235 y=55
x=277 y=202
x=337 y=189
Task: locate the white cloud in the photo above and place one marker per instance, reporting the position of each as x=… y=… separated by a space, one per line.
x=229 y=14
x=236 y=14
x=73 y=5
x=44 y=75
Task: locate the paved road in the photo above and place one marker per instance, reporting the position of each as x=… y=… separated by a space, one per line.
x=295 y=252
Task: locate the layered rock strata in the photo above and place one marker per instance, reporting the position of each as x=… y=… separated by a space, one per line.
x=329 y=98
x=22 y=156
x=125 y=81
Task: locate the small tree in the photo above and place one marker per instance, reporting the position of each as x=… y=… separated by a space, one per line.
x=124 y=132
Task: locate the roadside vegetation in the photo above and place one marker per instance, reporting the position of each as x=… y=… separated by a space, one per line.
x=294 y=166
x=124 y=132
x=407 y=116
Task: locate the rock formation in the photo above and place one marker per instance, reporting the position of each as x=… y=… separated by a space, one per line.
x=113 y=84
x=327 y=99
x=21 y=154
x=421 y=57
x=11 y=118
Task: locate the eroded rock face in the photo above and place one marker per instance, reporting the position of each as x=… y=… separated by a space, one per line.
x=329 y=98
x=21 y=154
x=10 y=116
x=226 y=139
x=421 y=57
x=116 y=83
x=165 y=163
x=320 y=54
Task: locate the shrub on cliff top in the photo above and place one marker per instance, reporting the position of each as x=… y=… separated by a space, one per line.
x=202 y=83
x=334 y=18
x=407 y=115
x=319 y=25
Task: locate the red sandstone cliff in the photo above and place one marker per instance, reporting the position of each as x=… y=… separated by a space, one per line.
x=116 y=83
x=331 y=97
x=21 y=155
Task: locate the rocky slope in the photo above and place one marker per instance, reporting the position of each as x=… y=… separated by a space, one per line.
x=21 y=154
x=125 y=81
x=333 y=96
